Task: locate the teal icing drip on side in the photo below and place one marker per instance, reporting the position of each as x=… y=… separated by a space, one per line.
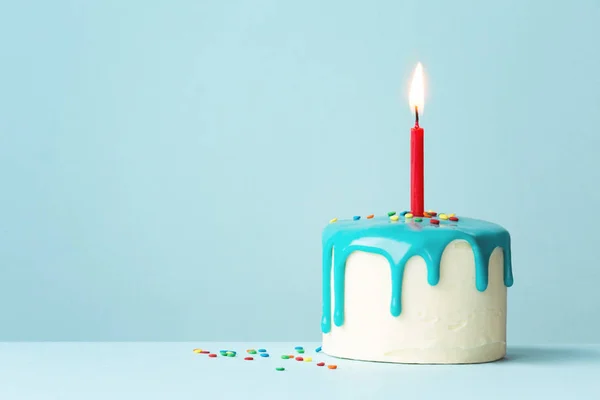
x=398 y=241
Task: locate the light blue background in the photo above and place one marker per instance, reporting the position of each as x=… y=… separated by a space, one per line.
x=166 y=167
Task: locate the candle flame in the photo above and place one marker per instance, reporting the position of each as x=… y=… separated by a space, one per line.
x=416 y=95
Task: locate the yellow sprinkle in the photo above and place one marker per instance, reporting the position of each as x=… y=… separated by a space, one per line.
x=443 y=216
x=430 y=211
x=308 y=359
x=197 y=351
x=451 y=215
x=394 y=218
x=333 y=220
x=408 y=215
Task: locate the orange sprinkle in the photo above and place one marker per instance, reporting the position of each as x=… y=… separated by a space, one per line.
x=370 y=216
x=426 y=215
x=332 y=366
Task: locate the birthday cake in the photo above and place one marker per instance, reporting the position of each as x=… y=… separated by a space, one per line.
x=404 y=289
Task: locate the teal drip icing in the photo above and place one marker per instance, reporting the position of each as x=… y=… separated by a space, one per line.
x=397 y=242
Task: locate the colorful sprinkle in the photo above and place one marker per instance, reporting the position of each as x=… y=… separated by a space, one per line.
x=251 y=351
x=205 y=352
x=301 y=351
x=198 y=351
x=308 y=359
x=332 y=366
x=291 y=356
x=408 y=215
x=443 y=216
x=320 y=364
x=432 y=213
x=212 y=355
x=391 y=213
x=299 y=358
x=453 y=219
x=370 y=216
x=248 y=358
x=279 y=369
x=298 y=348
x=394 y=218
x=264 y=354
x=332 y=220
x=452 y=215
x=223 y=352
x=230 y=354
x=426 y=215
x=418 y=219
x=403 y=213
x=434 y=221
x=284 y=357
x=318 y=349
x=262 y=350
x=356 y=217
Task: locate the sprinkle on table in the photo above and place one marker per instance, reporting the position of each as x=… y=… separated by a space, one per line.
x=308 y=359
x=370 y=216
x=403 y=213
x=426 y=215
x=298 y=348
x=299 y=358
x=454 y=219
x=356 y=217
x=434 y=221
x=198 y=351
x=204 y=352
x=264 y=354
x=320 y=364
x=432 y=213
x=452 y=215
x=212 y=355
x=251 y=351
x=394 y=218
x=391 y=213
x=443 y=216
x=284 y=357
x=279 y=369
x=332 y=366
x=408 y=215
x=418 y=219
x=248 y=358
x=262 y=350
x=301 y=351
x=332 y=220
x=318 y=349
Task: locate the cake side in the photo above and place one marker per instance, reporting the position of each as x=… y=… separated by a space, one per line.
x=415 y=291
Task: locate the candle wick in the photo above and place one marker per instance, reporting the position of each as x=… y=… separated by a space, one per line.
x=416 y=116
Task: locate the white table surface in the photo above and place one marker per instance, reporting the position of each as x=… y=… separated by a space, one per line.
x=172 y=371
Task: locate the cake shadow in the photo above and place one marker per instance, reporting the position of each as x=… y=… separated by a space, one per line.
x=551 y=354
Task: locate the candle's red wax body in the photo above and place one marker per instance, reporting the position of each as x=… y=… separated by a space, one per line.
x=416 y=171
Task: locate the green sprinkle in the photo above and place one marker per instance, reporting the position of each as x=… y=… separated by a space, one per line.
x=280 y=369
x=301 y=351
x=285 y=357
x=391 y=213
x=418 y=219
x=251 y=351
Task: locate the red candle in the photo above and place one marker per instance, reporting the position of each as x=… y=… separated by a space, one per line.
x=416 y=170
x=417 y=189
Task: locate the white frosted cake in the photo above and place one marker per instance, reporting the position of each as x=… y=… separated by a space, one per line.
x=415 y=290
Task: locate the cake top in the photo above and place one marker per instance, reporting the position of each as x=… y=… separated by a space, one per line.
x=399 y=226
